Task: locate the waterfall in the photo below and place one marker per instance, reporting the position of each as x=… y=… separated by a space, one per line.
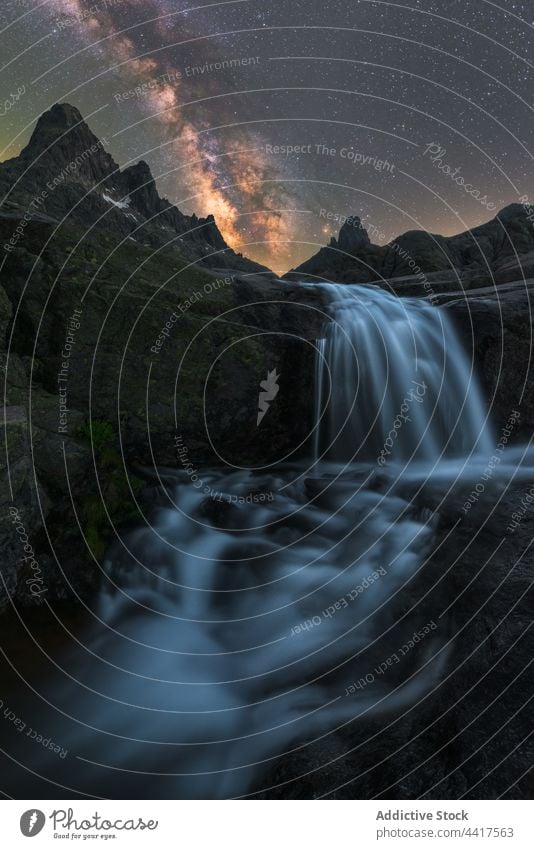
x=253 y=611
x=393 y=382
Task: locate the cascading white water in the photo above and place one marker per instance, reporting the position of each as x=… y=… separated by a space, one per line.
x=237 y=620
x=394 y=382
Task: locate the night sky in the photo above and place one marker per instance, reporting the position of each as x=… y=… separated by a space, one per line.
x=363 y=86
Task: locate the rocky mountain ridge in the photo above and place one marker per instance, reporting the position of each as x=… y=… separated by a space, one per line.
x=499 y=248
x=65 y=172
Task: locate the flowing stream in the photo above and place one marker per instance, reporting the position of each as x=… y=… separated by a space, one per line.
x=253 y=620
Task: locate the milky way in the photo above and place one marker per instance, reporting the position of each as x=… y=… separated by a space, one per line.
x=279 y=118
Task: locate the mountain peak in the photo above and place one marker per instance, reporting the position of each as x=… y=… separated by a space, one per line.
x=62 y=114
x=62 y=138
x=59 y=119
x=352 y=236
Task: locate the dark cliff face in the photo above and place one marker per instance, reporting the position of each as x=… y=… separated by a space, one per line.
x=66 y=173
x=487 y=249
x=92 y=253
x=157 y=350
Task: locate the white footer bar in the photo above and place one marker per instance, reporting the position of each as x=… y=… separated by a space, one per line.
x=268 y=824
